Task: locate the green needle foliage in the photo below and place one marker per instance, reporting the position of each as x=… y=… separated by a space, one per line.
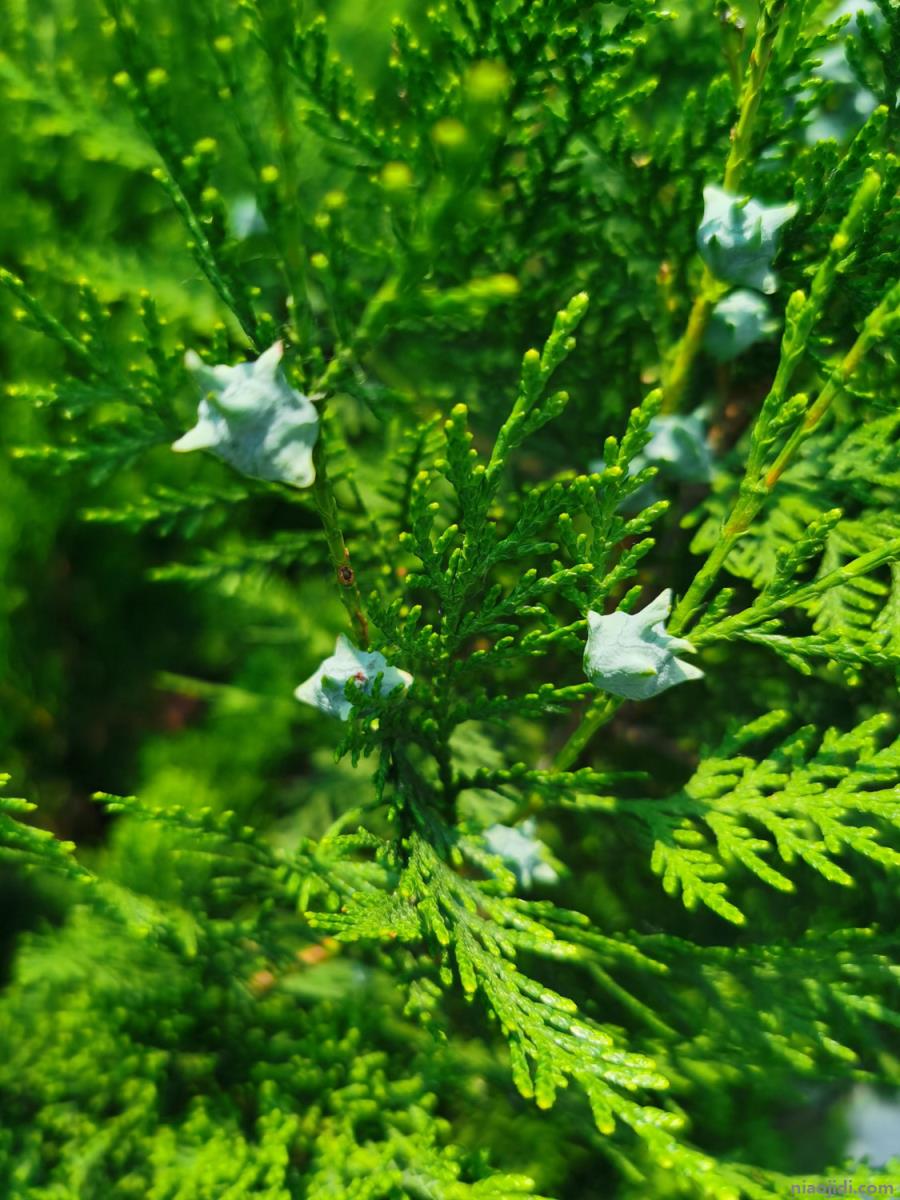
x=420 y=950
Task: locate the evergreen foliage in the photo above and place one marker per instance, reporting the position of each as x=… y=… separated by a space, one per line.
x=311 y=958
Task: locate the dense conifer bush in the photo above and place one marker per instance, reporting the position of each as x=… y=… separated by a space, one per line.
x=451 y=517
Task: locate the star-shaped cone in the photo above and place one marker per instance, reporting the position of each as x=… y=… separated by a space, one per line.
x=739 y=321
x=738 y=237
x=678 y=447
x=631 y=655
x=252 y=419
x=522 y=851
x=325 y=689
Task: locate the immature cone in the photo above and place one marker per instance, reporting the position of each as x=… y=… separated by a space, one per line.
x=252 y=419
x=521 y=850
x=631 y=655
x=678 y=447
x=325 y=688
x=739 y=321
x=738 y=237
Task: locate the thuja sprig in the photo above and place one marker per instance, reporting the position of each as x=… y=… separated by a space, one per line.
x=32 y=311
x=880 y=320
x=771 y=604
x=772 y=13
x=803 y=314
x=711 y=289
x=184 y=174
x=609 y=529
x=780 y=413
x=276 y=190
x=344 y=573
x=459 y=559
x=30 y=847
x=532 y=409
